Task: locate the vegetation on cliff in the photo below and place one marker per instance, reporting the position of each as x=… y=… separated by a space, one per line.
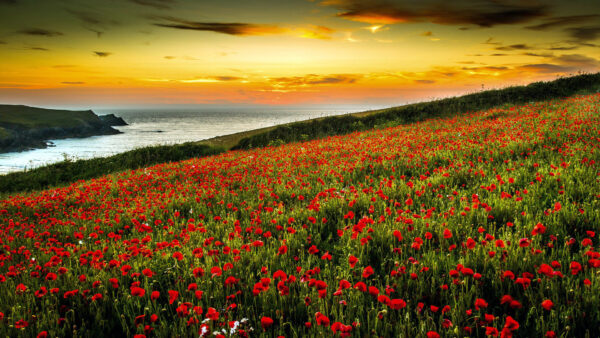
x=23 y=127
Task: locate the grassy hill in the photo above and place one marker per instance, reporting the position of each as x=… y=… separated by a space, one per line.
x=23 y=127
x=72 y=171
x=482 y=224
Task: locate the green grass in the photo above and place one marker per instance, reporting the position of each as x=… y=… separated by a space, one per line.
x=30 y=117
x=70 y=171
x=336 y=125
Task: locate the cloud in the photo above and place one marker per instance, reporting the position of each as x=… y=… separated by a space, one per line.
x=73 y=82
x=102 y=54
x=544 y=68
x=491 y=41
x=562 y=47
x=2 y=42
x=425 y=81
x=247 y=29
x=294 y=83
x=584 y=34
x=518 y=46
x=544 y=55
x=559 y=21
x=40 y=32
x=232 y=28
x=316 y=32
x=578 y=62
x=482 y=13
x=92 y=21
x=209 y=79
x=41 y=49
x=157 y=4
x=428 y=33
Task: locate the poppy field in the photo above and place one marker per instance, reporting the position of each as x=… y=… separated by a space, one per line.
x=483 y=224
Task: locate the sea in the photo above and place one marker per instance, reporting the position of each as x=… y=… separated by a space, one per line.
x=147 y=127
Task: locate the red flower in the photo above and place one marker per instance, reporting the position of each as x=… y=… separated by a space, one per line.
x=447 y=233
x=178 y=255
x=367 y=272
x=137 y=291
x=433 y=334
x=266 y=322
x=547 y=304
x=511 y=324
x=491 y=331
x=352 y=261
x=19 y=324
x=173 y=296
x=480 y=303
x=397 y=304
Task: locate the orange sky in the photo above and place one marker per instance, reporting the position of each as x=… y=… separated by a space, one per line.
x=112 y=53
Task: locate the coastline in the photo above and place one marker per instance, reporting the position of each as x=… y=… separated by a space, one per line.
x=24 y=128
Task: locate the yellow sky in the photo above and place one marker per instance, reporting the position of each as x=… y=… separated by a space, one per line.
x=94 y=53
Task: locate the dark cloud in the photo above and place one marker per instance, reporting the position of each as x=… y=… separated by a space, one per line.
x=2 y=42
x=313 y=79
x=518 y=46
x=563 y=21
x=40 y=32
x=102 y=54
x=482 y=13
x=73 y=82
x=170 y=57
x=41 y=49
x=499 y=54
x=425 y=81
x=92 y=21
x=428 y=33
x=87 y=17
x=226 y=78
x=221 y=27
x=562 y=47
x=491 y=41
x=584 y=34
x=578 y=61
x=486 y=68
x=543 y=55
x=545 y=68
x=157 y=4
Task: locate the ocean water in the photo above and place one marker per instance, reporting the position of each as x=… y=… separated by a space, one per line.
x=148 y=127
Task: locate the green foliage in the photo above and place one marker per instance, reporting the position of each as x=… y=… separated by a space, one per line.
x=339 y=125
x=69 y=171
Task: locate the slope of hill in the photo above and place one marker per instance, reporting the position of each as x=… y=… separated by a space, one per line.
x=480 y=224
x=23 y=127
x=72 y=171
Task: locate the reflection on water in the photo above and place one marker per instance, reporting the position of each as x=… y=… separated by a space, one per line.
x=153 y=128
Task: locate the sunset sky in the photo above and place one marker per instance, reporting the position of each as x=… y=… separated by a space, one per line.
x=112 y=53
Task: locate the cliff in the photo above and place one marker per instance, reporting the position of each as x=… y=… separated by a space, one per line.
x=24 y=128
x=113 y=120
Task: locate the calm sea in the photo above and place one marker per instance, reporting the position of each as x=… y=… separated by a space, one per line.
x=148 y=127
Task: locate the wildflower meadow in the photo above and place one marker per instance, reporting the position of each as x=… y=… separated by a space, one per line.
x=482 y=224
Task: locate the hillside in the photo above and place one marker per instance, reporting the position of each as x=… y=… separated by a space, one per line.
x=481 y=224
x=71 y=171
x=23 y=127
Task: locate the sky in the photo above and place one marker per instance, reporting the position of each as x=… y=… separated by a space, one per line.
x=118 y=53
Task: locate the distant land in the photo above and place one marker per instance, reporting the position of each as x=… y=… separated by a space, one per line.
x=24 y=127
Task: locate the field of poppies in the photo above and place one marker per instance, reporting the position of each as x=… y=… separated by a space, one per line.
x=485 y=224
